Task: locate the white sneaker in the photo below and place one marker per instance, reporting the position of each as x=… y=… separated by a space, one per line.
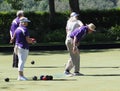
x=22 y=78
x=68 y=74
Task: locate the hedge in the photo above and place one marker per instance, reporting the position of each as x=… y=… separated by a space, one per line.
x=44 y=31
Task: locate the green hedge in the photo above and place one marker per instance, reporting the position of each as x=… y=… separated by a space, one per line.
x=103 y=18
x=107 y=22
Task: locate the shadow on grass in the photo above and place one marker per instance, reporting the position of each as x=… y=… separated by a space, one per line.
x=57 y=52
x=66 y=52
x=47 y=52
x=102 y=67
x=102 y=75
x=64 y=79
x=6 y=53
x=54 y=80
x=4 y=87
x=37 y=52
x=95 y=50
x=44 y=67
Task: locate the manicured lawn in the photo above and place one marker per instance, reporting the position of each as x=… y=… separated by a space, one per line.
x=101 y=69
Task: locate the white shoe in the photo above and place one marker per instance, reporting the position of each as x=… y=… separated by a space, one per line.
x=22 y=78
x=68 y=74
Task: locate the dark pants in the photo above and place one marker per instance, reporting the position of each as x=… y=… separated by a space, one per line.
x=15 y=60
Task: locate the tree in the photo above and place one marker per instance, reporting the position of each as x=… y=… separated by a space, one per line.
x=52 y=13
x=74 y=6
x=52 y=7
x=114 y=2
x=16 y=4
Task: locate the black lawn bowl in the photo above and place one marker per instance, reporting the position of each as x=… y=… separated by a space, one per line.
x=7 y=79
x=34 y=78
x=32 y=62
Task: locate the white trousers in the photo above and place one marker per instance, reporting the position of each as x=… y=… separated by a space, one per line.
x=22 y=56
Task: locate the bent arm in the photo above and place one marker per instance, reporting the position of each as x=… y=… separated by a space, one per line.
x=30 y=40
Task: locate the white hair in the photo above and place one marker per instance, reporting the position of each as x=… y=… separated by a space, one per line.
x=20 y=12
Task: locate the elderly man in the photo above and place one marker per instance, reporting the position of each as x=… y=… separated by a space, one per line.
x=72 y=46
x=72 y=23
x=14 y=25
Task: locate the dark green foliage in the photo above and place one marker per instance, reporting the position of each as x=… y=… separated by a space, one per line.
x=98 y=38
x=102 y=18
x=15 y=4
x=115 y=32
x=60 y=5
x=40 y=26
x=55 y=36
x=5 y=21
x=106 y=21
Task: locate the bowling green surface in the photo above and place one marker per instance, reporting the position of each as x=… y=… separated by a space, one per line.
x=101 y=69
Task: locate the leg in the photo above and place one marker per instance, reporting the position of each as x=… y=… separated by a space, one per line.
x=77 y=64
x=69 y=64
x=75 y=58
x=13 y=65
x=15 y=57
x=22 y=55
x=15 y=60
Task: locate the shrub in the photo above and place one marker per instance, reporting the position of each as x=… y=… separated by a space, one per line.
x=44 y=31
x=55 y=36
x=115 y=32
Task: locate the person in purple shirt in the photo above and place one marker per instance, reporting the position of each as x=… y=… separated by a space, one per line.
x=22 y=40
x=72 y=46
x=14 y=25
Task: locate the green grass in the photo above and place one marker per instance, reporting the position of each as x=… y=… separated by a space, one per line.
x=100 y=68
x=62 y=43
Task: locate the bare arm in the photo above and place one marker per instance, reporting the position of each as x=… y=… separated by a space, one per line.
x=80 y=23
x=66 y=31
x=75 y=45
x=10 y=34
x=30 y=40
x=12 y=38
x=75 y=42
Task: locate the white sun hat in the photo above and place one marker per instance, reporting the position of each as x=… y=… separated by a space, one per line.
x=91 y=26
x=73 y=14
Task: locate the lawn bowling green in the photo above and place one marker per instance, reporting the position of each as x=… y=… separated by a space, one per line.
x=101 y=69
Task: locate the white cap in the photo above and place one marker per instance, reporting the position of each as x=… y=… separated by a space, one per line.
x=73 y=14
x=20 y=12
x=24 y=19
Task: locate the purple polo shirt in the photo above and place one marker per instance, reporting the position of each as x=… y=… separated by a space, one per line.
x=79 y=33
x=14 y=25
x=21 y=34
